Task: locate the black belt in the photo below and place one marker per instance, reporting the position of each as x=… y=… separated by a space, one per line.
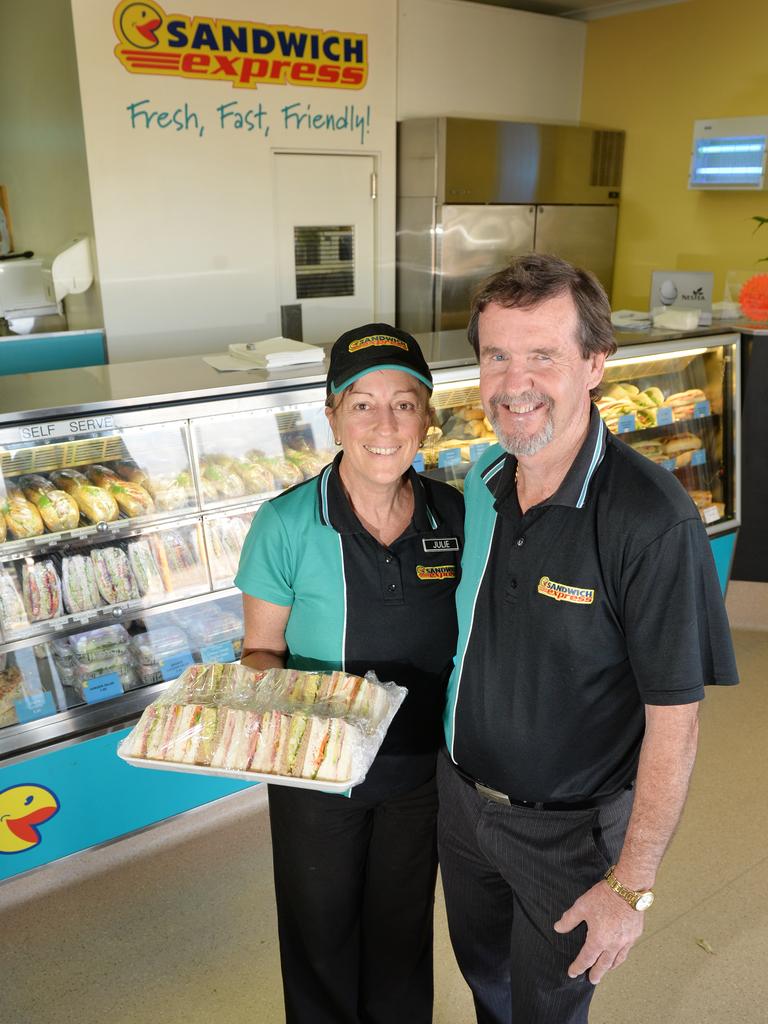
x=536 y=805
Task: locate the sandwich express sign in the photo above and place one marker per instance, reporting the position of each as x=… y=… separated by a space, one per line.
x=245 y=53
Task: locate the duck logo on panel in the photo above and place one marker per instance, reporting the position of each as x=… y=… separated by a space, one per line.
x=22 y=810
x=245 y=53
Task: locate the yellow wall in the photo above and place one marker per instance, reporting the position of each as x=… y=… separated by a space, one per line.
x=653 y=74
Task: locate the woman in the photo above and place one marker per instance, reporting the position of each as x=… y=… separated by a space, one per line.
x=356 y=570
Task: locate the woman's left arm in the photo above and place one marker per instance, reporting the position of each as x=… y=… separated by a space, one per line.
x=264 y=643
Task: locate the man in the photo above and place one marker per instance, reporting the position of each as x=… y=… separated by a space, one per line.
x=590 y=619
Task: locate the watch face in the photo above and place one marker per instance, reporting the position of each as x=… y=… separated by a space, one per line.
x=644 y=901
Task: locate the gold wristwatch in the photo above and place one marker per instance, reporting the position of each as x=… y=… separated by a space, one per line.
x=641 y=900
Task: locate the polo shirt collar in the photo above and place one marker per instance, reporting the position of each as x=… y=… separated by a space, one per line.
x=335 y=510
x=499 y=477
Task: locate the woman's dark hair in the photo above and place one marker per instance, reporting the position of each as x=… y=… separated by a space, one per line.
x=532 y=279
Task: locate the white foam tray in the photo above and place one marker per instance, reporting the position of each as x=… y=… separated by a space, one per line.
x=228 y=773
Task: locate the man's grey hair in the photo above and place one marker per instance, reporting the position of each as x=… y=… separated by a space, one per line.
x=536 y=277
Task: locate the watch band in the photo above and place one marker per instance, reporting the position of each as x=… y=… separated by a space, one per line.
x=639 y=900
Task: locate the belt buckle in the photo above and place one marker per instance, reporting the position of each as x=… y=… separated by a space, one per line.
x=492 y=794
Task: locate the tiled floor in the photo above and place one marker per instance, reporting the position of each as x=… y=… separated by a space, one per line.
x=177 y=926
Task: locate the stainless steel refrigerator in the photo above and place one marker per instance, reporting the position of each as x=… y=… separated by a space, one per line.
x=472 y=194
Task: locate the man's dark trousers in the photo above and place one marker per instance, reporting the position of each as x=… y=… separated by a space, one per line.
x=508 y=874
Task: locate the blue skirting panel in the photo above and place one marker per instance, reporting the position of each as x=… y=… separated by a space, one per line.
x=722 y=550
x=70 y=799
x=51 y=352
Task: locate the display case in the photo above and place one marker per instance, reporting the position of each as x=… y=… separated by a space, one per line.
x=120 y=532
x=678 y=406
x=122 y=520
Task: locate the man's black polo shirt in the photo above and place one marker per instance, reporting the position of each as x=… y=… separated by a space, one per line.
x=359 y=606
x=597 y=601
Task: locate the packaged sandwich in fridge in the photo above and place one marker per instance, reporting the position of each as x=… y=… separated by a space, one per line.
x=79 y=586
x=41 y=590
x=97 y=644
x=159 y=643
x=13 y=615
x=309 y=729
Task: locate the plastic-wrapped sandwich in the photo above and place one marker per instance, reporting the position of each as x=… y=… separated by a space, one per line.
x=310 y=729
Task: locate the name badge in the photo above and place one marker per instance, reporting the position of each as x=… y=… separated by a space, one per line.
x=440 y=543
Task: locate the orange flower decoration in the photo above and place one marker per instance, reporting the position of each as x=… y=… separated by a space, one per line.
x=753 y=298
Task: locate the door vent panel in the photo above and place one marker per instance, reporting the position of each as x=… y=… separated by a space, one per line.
x=325 y=261
x=607 y=158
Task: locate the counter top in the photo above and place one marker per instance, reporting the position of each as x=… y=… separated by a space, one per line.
x=188 y=378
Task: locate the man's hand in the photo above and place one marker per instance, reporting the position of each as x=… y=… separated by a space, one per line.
x=613 y=927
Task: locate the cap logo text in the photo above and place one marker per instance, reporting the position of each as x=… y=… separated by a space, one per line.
x=376 y=340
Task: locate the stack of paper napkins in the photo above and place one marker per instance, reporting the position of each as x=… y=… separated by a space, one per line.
x=274 y=353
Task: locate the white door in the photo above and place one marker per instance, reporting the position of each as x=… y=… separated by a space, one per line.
x=325 y=241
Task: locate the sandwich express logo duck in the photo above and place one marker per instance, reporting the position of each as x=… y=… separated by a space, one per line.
x=245 y=53
x=22 y=809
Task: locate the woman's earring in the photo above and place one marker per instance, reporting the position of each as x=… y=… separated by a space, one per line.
x=337 y=440
x=421 y=444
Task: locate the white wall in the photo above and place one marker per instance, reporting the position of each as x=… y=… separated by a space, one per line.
x=472 y=60
x=42 y=148
x=184 y=223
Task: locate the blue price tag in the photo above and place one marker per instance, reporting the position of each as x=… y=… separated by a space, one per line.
x=171 y=668
x=626 y=423
x=699 y=458
x=224 y=650
x=668 y=464
x=664 y=416
x=476 y=450
x=102 y=687
x=418 y=463
x=36 y=705
x=701 y=409
x=449 y=457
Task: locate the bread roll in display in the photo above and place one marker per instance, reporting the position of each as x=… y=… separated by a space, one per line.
x=284 y=472
x=218 y=473
x=678 y=443
x=131 y=497
x=57 y=509
x=96 y=505
x=256 y=477
x=20 y=516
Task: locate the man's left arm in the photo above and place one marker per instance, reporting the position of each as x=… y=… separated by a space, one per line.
x=666 y=761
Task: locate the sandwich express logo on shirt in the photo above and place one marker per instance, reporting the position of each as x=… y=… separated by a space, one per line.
x=245 y=53
x=562 y=592
x=436 y=572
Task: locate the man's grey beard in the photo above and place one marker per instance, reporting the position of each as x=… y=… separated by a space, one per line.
x=522 y=444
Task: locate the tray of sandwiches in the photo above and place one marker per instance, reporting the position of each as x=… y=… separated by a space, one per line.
x=639 y=410
x=314 y=730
